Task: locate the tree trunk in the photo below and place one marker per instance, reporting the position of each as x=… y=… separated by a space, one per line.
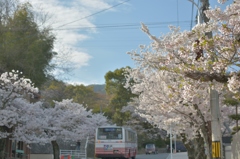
x=199 y=148
x=189 y=147
x=206 y=132
x=3 y=142
x=195 y=147
x=2 y=148
x=56 y=153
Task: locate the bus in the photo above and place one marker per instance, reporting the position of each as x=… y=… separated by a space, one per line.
x=115 y=142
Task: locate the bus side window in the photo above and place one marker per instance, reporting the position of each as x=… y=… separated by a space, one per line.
x=110 y=136
x=132 y=139
x=126 y=138
x=115 y=135
x=119 y=136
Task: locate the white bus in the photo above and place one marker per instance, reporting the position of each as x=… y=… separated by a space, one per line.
x=115 y=142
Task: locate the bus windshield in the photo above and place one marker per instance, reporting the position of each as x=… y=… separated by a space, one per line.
x=109 y=133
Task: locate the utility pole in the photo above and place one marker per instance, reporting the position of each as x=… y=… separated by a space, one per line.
x=216 y=152
x=214 y=103
x=215 y=125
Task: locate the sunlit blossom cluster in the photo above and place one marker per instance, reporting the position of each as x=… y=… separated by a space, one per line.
x=18 y=86
x=233 y=83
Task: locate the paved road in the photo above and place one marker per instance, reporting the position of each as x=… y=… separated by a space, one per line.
x=153 y=156
x=180 y=155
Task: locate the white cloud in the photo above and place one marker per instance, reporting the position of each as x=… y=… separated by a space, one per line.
x=77 y=83
x=65 y=17
x=79 y=58
x=94 y=4
x=72 y=22
x=70 y=38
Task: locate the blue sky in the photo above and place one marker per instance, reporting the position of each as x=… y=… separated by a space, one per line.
x=94 y=36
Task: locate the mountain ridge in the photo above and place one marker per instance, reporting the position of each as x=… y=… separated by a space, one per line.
x=98 y=88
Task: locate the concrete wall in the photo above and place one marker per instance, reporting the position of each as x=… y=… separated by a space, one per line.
x=41 y=156
x=236 y=146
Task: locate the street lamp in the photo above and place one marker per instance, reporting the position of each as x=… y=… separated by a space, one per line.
x=171 y=143
x=199 y=12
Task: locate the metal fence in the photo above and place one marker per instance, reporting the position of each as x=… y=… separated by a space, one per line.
x=74 y=154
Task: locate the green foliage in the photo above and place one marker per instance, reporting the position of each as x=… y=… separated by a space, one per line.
x=159 y=142
x=235 y=116
x=119 y=96
x=150 y=134
x=24 y=46
x=53 y=90
x=235 y=129
x=99 y=88
x=234 y=103
x=86 y=96
x=58 y=90
x=121 y=118
x=143 y=140
x=231 y=102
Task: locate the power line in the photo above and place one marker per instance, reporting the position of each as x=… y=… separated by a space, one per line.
x=125 y=26
x=94 y=14
x=102 y=26
x=20 y=29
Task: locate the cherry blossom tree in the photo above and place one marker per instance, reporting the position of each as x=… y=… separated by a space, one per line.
x=12 y=87
x=166 y=99
x=174 y=74
x=30 y=122
x=67 y=121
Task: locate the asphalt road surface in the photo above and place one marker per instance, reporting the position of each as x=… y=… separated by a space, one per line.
x=153 y=156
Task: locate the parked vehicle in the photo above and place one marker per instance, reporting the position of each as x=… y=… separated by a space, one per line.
x=150 y=149
x=180 y=147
